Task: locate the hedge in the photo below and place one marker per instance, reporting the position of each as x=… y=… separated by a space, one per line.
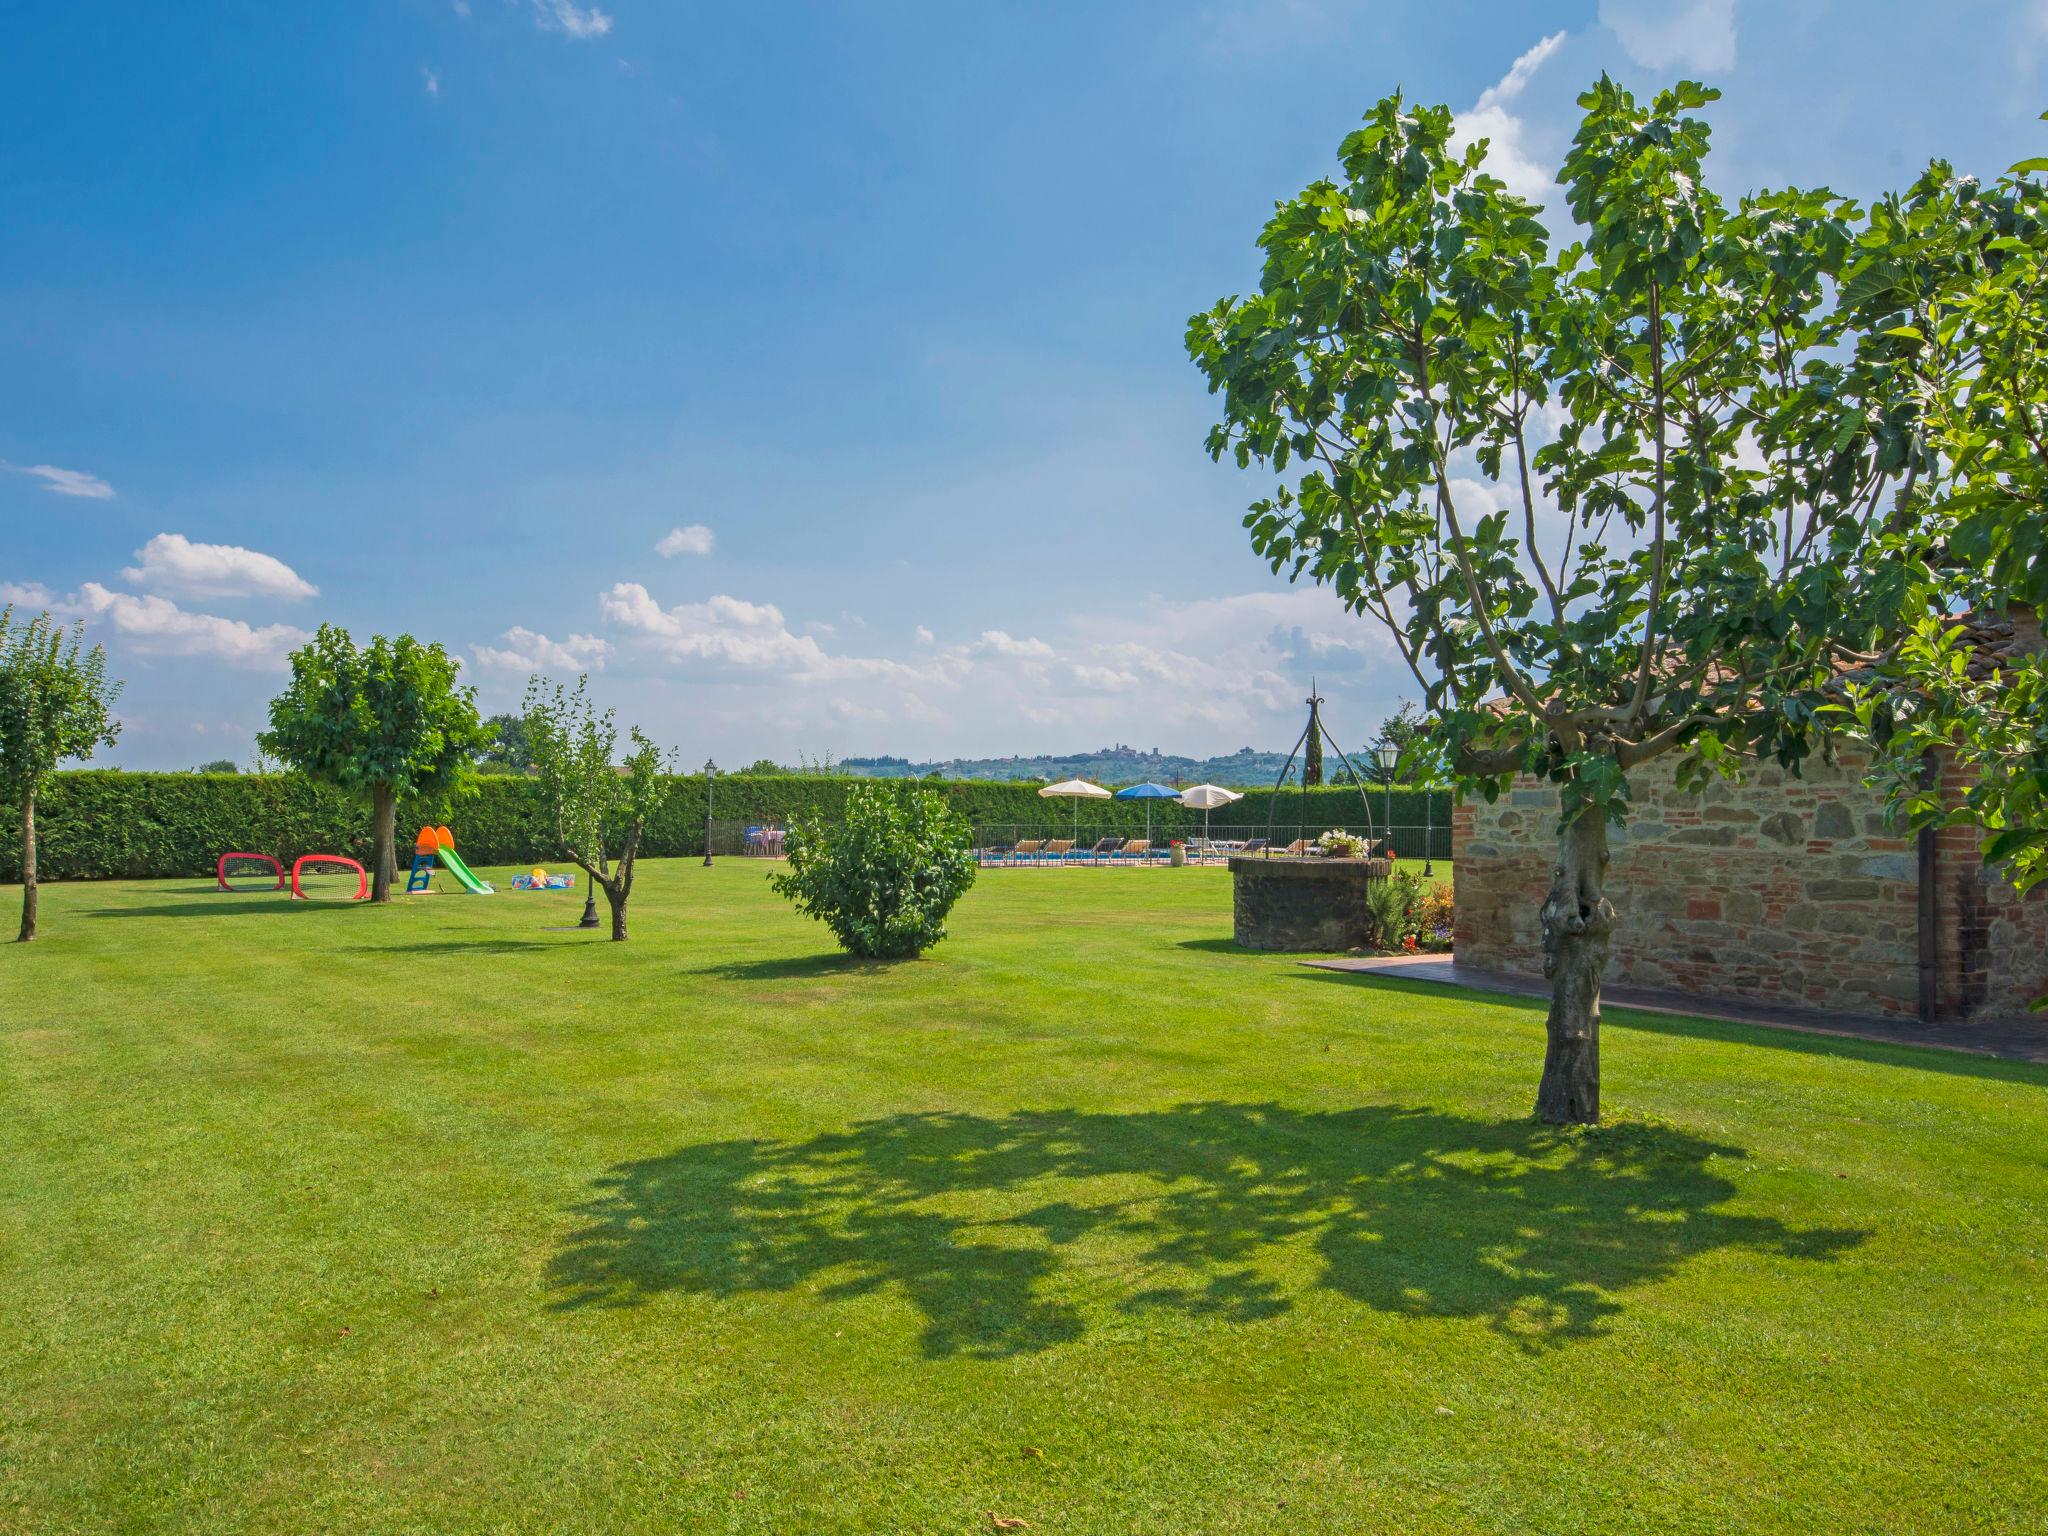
x=107 y=824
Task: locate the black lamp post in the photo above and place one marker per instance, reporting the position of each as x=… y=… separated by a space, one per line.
x=1428 y=830
x=1390 y=757
x=710 y=776
x=590 y=899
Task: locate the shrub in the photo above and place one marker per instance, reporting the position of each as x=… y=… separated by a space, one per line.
x=1390 y=904
x=883 y=874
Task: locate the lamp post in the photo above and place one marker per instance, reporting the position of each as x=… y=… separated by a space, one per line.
x=1389 y=756
x=710 y=777
x=1428 y=830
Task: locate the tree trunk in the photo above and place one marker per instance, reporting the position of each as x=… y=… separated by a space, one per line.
x=1577 y=923
x=620 y=886
x=383 y=840
x=29 y=890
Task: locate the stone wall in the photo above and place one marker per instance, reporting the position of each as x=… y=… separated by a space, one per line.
x=1780 y=889
x=1311 y=904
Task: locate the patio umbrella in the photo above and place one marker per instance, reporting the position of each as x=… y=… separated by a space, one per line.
x=1075 y=790
x=1205 y=798
x=1148 y=793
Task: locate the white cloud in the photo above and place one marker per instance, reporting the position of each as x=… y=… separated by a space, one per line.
x=693 y=540
x=1236 y=665
x=726 y=630
x=156 y=626
x=567 y=17
x=28 y=594
x=170 y=562
x=66 y=482
x=462 y=9
x=1508 y=155
x=1671 y=34
x=1001 y=644
x=431 y=81
x=527 y=651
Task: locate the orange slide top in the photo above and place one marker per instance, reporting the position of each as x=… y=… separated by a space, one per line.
x=433 y=840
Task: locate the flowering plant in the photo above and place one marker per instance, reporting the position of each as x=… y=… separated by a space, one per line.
x=1340 y=845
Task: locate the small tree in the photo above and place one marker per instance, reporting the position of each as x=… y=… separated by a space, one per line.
x=389 y=719
x=1610 y=503
x=1402 y=731
x=573 y=747
x=1312 y=755
x=56 y=702
x=883 y=874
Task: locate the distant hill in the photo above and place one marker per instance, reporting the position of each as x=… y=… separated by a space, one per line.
x=1106 y=765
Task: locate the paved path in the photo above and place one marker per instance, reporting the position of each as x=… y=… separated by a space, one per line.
x=2015 y=1041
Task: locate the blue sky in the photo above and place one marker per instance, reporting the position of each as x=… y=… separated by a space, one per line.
x=812 y=373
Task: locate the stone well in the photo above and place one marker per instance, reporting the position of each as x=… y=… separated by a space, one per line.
x=1302 y=903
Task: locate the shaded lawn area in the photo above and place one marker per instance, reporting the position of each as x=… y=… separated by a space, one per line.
x=435 y=1218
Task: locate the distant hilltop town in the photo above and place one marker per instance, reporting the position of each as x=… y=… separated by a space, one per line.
x=1106 y=765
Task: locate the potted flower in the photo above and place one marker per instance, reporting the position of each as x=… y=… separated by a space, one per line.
x=1340 y=845
x=1178 y=857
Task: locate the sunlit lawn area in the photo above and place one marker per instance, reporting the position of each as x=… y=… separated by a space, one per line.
x=437 y=1219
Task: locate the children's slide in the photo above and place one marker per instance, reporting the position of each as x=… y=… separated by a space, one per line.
x=452 y=862
x=436 y=845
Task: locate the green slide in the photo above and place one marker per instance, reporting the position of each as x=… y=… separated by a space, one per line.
x=452 y=862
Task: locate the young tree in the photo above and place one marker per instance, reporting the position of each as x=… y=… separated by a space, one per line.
x=883 y=873
x=573 y=747
x=1403 y=731
x=1613 y=502
x=56 y=702
x=390 y=719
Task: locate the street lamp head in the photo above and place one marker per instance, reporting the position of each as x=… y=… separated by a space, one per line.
x=710 y=768
x=1388 y=754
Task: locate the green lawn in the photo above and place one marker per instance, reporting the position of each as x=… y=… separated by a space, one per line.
x=435 y=1219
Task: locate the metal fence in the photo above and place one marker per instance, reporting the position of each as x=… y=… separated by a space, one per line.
x=1018 y=842
x=996 y=842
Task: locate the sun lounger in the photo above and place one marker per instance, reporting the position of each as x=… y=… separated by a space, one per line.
x=1057 y=850
x=1105 y=848
x=1137 y=851
x=1027 y=851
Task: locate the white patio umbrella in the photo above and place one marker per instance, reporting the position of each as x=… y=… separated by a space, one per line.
x=1075 y=790
x=1205 y=798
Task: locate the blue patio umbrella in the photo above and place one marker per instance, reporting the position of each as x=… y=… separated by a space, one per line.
x=1148 y=793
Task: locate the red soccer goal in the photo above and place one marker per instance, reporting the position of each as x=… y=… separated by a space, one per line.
x=323 y=867
x=249 y=872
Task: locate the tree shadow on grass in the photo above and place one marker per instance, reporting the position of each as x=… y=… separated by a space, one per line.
x=1929 y=1053
x=992 y=1226
x=798 y=967
x=479 y=944
x=209 y=902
